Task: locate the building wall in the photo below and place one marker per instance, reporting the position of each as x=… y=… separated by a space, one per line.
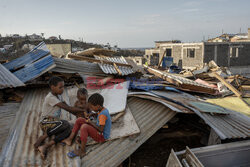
x=179 y=54
x=152 y=56
x=220 y=53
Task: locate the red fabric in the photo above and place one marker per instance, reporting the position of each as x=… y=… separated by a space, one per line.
x=87 y=130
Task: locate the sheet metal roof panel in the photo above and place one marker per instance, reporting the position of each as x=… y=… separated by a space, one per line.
x=38 y=52
x=7 y=116
x=36 y=69
x=7 y=79
x=110 y=69
x=19 y=150
x=74 y=66
x=150 y=116
x=234 y=125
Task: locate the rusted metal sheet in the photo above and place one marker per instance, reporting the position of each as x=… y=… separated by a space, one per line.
x=150 y=116
x=19 y=151
x=7 y=79
x=7 y=116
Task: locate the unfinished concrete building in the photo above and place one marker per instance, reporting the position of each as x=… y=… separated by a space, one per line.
x=152 y=56
x=189 y=55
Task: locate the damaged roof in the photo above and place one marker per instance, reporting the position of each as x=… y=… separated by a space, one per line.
x=74 y=66
x=7 y=79
x=111 y=69
x=150 y=116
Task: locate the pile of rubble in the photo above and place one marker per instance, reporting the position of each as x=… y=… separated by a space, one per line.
x=141 y=100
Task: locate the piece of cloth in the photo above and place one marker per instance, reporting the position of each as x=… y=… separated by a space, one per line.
x=49 y=106
x=104 y=118
x=61 y=129
x=87 y=130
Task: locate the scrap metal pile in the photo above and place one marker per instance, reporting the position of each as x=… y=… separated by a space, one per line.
x=141 y=101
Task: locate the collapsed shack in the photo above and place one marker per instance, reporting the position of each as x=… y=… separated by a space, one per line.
x=152 y=113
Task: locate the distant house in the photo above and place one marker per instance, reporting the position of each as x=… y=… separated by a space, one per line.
x=53 y=38
x=35 y=37
x=239 y=37
x=16 y=36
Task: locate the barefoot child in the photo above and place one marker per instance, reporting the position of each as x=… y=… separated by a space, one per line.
x=50 y=123
x=99 y=131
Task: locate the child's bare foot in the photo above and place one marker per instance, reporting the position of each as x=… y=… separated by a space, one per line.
x=67 y=141
x=43 y=151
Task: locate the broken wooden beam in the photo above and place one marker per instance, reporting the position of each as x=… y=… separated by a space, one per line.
x=228 y=85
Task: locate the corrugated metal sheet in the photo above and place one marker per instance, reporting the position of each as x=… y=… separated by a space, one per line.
x=35 y=69
x=226 y=123
x=19 y=150
x=7 y=79
x=229 y=126
x=74 y=66
x=38 y=52
x=150 y=116
x=7 y=115
x=110 y=69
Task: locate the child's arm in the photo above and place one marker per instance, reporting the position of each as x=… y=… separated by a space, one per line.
x=73 y=110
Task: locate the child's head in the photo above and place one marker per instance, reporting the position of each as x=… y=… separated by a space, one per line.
x=82 y=95
x=56 y=85
x=96 y=102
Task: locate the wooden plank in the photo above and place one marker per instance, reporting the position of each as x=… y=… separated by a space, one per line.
x=228 y=85
x=117 y=69
x=96 y=61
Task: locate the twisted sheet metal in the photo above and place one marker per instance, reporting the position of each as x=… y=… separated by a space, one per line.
x=38 y=52
x=74 y=66
x=229 y=126
x=150 y=116
x=110 y=69
x=226 y=123
x=7 y=79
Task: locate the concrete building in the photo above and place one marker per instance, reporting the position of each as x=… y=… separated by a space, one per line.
x=190 y=55
x=138 y=60
x=152 y=56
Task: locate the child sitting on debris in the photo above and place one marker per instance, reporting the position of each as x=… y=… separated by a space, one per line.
x=50 y=123
x=99 y=131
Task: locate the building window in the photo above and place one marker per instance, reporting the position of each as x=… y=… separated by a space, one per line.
x=234 y=52
x=190 y=52
x=169 y=52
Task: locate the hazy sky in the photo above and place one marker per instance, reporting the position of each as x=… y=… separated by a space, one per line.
x=128 y=23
